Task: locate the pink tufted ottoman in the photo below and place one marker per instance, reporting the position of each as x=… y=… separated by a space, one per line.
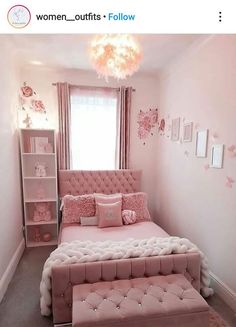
x=162 y=301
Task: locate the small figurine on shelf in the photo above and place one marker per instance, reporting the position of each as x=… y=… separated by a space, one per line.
x=37 y=235
x=47 y=237
x=42 y=212
x=40 y=169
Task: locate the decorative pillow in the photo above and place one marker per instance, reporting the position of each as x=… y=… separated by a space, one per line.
x=109 y=214
x=129 y=217
x=106 y=198
x=89 y=221
x=138 y=203
x=75 y=207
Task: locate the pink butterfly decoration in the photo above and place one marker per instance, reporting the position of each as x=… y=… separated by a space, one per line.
x=229 y=182
x=214 y=136
x=232 y=151
x=207 y=166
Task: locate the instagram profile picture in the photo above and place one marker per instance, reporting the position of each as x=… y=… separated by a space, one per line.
x=19 y=16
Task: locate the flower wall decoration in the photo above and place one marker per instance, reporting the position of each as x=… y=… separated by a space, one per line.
x=31 y=108
x=147 y=120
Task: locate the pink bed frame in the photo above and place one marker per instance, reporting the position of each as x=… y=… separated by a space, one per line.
x=65 y=277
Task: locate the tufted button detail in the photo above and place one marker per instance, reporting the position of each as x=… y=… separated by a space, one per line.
x=69 y=305
x=125 y=296
x=62 y=294
x=117 y=307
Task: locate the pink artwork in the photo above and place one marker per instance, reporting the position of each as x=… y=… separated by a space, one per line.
x=147 y=120
x=229 y=182
x=162 y=125
x=38 y=106
x=27 y=90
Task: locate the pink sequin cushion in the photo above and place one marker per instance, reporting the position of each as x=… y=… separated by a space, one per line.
x=75 y=207
x=109 y=214
x=128 y=217
x=136 y=202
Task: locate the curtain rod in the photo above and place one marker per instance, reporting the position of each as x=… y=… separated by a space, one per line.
x=94 y=87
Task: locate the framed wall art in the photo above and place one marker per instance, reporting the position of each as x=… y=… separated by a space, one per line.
x=201 y=143
x=187 y=132
x=217 y=153
x=175 y=129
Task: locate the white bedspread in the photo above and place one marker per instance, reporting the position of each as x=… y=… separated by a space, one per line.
x=88 y=251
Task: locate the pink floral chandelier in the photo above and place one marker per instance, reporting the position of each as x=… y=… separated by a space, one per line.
x=115 y=55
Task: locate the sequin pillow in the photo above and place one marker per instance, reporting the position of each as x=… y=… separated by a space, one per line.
x=109 y=214
x=75 y=207
x=128 y=217
x=136 y=202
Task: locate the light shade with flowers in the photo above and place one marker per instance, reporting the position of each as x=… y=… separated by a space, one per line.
x=115 y=55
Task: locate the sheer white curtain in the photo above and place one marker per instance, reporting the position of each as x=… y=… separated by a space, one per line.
x=94 y=121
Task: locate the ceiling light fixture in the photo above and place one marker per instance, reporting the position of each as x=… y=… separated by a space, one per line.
x=115 y=55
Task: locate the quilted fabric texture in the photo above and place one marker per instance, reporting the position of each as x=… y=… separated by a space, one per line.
x=75 y=207
x=138 y=203
x=137 y=300
x=109 y=214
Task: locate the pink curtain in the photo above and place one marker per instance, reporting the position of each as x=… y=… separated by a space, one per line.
x=124 y=127
x=63 y=94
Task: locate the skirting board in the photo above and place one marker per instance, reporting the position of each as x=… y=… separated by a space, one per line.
x=9 y=272
x=224 y=292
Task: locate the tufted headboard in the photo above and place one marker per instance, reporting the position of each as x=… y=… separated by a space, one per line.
x=77 y=182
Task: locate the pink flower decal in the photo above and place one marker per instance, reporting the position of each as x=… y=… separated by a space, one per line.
x=146 y=121
x=27 y=91
x=38 y=106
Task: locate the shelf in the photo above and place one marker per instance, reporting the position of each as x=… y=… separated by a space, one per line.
x=37 y=154
x=40 y=200
x=33 y=223
x=34 y=177
x=34 y=244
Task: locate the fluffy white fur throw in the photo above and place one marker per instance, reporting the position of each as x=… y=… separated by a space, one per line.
x=78 y=251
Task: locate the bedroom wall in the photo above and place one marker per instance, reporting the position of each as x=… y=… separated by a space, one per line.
x=11 y=237
x=145 y=97
x=192 y=201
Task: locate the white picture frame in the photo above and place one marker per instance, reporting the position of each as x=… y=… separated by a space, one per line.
x=201 y=143
x=187 y=132
x=217 y=154
x=175 y=129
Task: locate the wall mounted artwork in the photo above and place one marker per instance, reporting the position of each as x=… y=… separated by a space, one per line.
x=175 y=129
x=201 y=143
x=147 y=120
x=32 y=111
x=217 y=153
x=187 y=132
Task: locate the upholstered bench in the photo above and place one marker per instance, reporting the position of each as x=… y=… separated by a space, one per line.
x=163 y=301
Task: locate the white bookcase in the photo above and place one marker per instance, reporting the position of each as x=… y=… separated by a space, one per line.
x=38 y=149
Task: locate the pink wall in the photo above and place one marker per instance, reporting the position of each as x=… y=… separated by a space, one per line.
x=190 y=201
x=11 y=236
x=144 y=98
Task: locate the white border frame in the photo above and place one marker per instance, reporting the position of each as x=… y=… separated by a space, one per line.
x=217 y=155
x=201 y=143
x=175 y=127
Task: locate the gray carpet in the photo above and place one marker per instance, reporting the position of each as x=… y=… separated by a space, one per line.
x=20 y=306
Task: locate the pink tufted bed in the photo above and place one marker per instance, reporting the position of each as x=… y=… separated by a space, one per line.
x=66 y=276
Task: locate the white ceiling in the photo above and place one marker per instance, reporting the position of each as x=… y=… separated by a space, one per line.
x=71 y=51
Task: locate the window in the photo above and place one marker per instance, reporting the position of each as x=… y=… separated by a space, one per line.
x=94 y=122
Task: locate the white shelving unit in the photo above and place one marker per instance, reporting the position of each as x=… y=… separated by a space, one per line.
x=39 y=146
